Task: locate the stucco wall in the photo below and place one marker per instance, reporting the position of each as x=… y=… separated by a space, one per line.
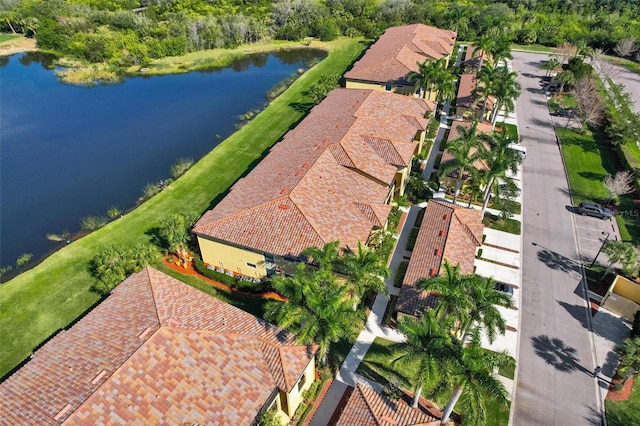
x=232 y=258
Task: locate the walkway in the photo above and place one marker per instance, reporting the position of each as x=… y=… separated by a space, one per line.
x=373 y=328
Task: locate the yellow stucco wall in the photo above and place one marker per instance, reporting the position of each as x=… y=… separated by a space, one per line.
x=626 y=288
x=232 y=258
x=380 y=87
x=295 y=397
x=623 y=297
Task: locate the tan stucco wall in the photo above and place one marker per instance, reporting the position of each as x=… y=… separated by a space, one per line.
x=232 y=258
x=626 y=288
x=295 y=397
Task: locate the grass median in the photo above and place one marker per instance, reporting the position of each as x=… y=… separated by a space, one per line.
x=39 y=302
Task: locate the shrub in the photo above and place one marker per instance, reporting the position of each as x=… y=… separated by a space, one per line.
x=635 y=328
x=392 y=392
x=181 y=166
x=214 y=275
x=419 y=218
x=92 y=223
x=413 y=236
x=418 y=190
x=113 y=212
x=402 y=270
x=312 y=393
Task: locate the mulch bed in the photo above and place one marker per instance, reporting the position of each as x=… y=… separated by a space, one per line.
x=189 y=270
x=620 y=395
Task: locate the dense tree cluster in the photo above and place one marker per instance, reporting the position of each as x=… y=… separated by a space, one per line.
x=129 y=32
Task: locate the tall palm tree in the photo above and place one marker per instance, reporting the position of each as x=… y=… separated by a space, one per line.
x=484 y=313
x=550 y=65
x=325 y=258
x=453 y=295
x=318 y=312
x=500 y=159
x=486 y=87
x=466 y=150
x=565 y=78
x=484 y=45
x=429 y=343
x=365 y=271
x=470 y=376
x=506 y=91
x=501 y=49
x=446 y=87
x=428 y=74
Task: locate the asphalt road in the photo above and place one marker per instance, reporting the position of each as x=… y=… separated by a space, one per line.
x=555 y=384
x=630 y=80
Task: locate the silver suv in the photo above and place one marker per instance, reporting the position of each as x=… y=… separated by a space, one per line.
x=595 y=210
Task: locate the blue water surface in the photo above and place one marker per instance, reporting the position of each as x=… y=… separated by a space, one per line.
x=67 y=152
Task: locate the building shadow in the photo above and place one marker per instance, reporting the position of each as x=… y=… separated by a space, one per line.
x=557 y=354
x=603 y=324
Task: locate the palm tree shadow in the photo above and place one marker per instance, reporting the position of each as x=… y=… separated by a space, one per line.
x=594 y=417
x=554 y=352
x=556 y=261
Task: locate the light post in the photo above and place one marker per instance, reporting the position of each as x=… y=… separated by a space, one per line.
x=598 y=254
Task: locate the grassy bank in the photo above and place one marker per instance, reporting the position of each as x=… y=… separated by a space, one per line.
x=36 y=304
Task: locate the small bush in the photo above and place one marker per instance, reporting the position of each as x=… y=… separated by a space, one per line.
x=181 y=167
x=635 y=328
x=214 y=275
x=419 y=218
x=150 y=190
x=113 y=212
x=312 y=393
x=402 y=270
x=92 y=223
x=413 y=236
x=392 y=392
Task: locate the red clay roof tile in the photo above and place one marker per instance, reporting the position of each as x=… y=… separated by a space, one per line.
x=342 y=168
x=397 y=52
x=155 y=350
x=462 y=235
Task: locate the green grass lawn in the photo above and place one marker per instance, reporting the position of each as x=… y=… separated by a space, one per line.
x=624 y=413
x=588 y=160
x=512 y=130
x=47 y=298
x=531 y=48
x=509 y=225
x=7 y=37
x=377 y=366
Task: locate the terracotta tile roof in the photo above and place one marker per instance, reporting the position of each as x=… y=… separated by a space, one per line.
x=156 y=350
x=341 y=157
x=399 y=49
x=448 y=232
x=466 y=98
x=471 y=60
x=483 y=127
x=367 y=407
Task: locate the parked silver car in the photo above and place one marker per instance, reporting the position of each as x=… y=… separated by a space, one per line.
x=595 y=210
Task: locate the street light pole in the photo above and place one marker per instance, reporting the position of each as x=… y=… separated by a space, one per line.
x=598 y=254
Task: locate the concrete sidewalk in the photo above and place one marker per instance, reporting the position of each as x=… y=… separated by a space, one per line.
x=373 y=328
x=502 y=239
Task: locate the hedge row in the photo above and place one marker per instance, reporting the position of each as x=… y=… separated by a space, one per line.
x=233 y=282
x=413 y=236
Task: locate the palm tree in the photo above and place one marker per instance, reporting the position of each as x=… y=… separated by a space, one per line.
x=453 y=295
x=506 y=91
x=447 y=88
x=550 y=65
x=629 y=353
x=486 y=87
x=429 y=343
x=470 y=375
x=484 y=45
x=565 y=78
x=365 y=271
x=174 y=230
x=466 y=150
x=484 y=313
x=622 y=252
x=319 y=312
x=325 y=258
x=429 y=72
x=501 y=49
x=500 y=159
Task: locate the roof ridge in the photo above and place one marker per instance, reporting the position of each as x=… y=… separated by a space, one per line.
x=242 y=212
x=366 y=401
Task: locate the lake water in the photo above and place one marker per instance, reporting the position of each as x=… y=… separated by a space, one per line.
x=67 y=152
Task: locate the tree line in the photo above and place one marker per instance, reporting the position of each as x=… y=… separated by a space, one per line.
x=133 y=32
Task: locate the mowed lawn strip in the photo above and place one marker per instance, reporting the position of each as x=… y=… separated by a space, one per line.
x=589 y=159
x=37 y=303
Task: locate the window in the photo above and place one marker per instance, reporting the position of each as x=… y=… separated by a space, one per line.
x=269 y=258
x=251 y=265
x=302 y=381
x=387 y=87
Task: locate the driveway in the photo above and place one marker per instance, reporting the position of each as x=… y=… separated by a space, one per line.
x=630 y=80
x=554 y=381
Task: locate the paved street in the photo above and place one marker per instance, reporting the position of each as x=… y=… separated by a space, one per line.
x=555 y=385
